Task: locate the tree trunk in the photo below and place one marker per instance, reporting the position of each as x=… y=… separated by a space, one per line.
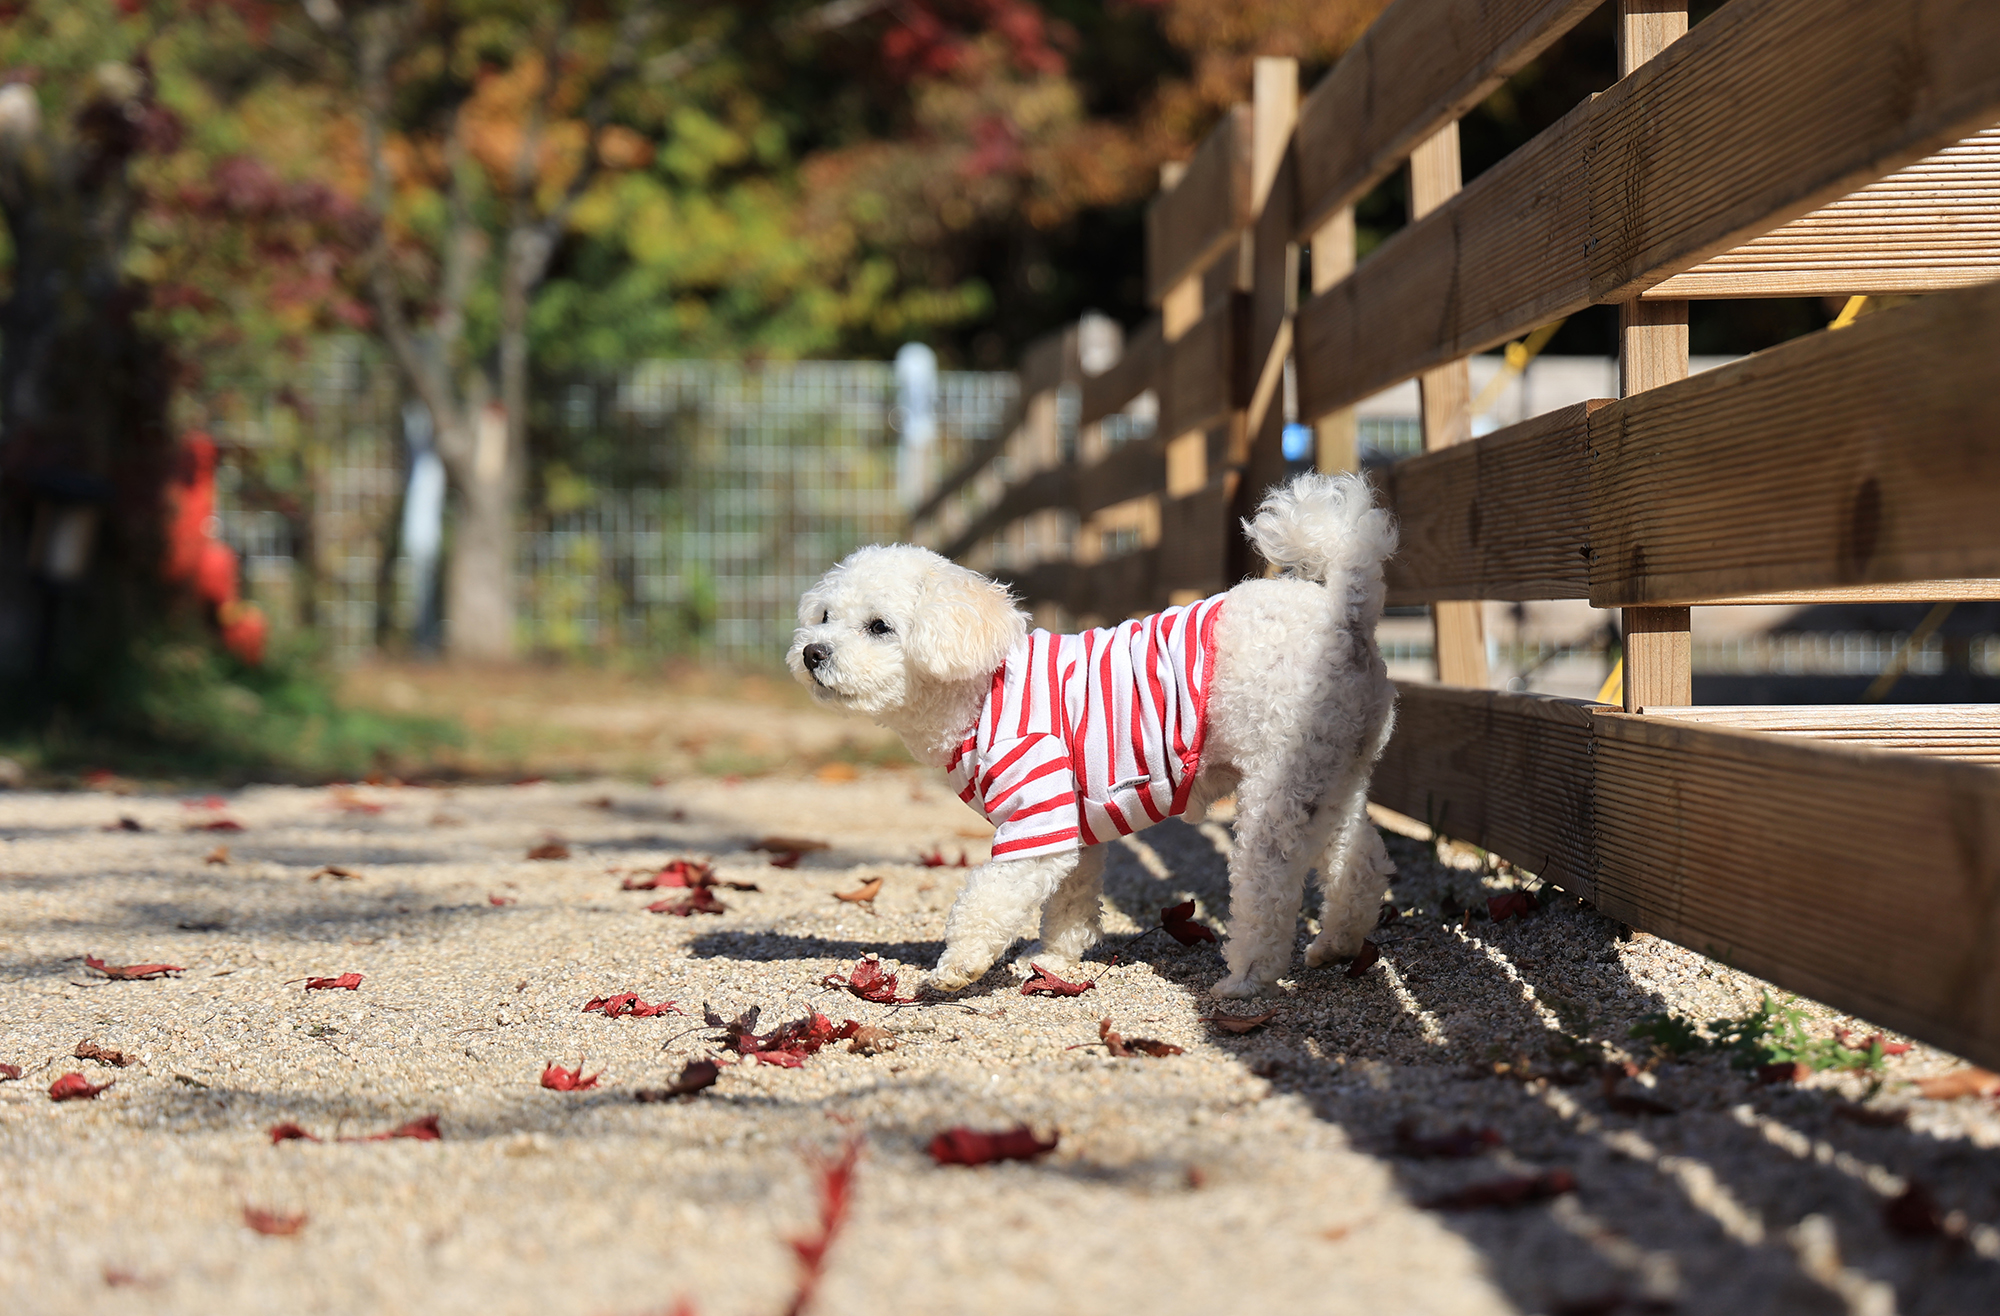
x=479 y=600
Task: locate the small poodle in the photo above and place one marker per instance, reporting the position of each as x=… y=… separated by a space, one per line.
x=1274 y=690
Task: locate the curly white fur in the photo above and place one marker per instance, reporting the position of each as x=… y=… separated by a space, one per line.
x=1299 y=709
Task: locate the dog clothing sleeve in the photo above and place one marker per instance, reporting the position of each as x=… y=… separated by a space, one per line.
x=1085 y=737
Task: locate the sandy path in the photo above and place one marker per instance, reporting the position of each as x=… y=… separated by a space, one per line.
x=1252 y=1174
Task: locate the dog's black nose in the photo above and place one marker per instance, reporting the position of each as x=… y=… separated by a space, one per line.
x=814 y=655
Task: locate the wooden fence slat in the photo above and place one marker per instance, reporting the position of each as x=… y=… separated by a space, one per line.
x=1928 y=227
x=1131 y=470
x=1864 y=878
x=1196 y=221
x=1860 y=456
x=1130 y=376
x=1420 y=65
x=1657 y=175
x=1867 y=878
x=1954 y=731
x=1506 y=516
x=1198 y=379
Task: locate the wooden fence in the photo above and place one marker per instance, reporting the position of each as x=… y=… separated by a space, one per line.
x=1777 y=148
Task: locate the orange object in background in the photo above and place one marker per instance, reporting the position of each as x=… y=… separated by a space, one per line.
x=203 y=563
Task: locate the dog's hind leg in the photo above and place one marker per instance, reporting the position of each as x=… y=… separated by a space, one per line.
x=995 y=904
x=1281 y=827
x=1353 y=874
x=1072 y=920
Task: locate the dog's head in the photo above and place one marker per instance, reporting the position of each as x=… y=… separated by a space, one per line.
x=892 y=620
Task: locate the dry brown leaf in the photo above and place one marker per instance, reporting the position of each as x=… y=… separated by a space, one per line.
x=836 y=773
x=868 y=1040
x=863 y=894
x=789 y=845
x=276 y=1223
x=336 y=872
x=1126 y=1049
x=1240 y=1023
x=1967 y=1082
x=87 y=1050
x=219 y=855
x=549 y=849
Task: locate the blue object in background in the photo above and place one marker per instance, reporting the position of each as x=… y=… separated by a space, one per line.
x=1298 y=442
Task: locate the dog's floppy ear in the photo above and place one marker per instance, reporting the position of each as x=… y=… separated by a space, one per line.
x=964 y=625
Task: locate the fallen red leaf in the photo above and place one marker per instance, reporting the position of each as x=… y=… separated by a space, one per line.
x=1178 y=920
x=697 y=1075
x=698 y=901
x=550 y=849
x=501 y=900
x=1856 y=1042
x=1518 y=1191
x=936 y=859
x=787 y=1045
x=216 y=825
x=336 y=872
x=211 y=802
x=275 y=1223
x=424 y=1128
x=1966 y=1082
x=786 y=859
x=289 y=1132
x=1138 y=1046
x=1240 y=1023
x=1788 y=1071
x=836 y=1184
x=87 y=1050
x=1458 y=1144
x=863 y=894
x=1368 y=954
x=1509 y=904
x=219 y=855
x=792 y=845
x=345 y=982
x=870 y=983
x=689 y=873
x=963 y=1146
x=75 y=1087
x=1047 y=984
x=125 y=823
x=557 y=1079
x=8 y=1073
x=627 y=1005
x=131 y=972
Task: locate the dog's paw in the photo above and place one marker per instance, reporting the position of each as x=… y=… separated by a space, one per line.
x=1237 y=987
x=1326 y=948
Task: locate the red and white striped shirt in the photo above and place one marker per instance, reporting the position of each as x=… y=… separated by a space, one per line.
x=1086 y=737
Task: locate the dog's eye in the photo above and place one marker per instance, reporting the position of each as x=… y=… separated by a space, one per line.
x=879 y=627
x=825 y=616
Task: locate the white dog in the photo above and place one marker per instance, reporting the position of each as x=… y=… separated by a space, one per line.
x=1274 y=690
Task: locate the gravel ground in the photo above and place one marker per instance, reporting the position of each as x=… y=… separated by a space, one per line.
x=1254 y=1173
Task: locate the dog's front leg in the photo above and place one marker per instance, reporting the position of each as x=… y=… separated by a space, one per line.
x=998 y=899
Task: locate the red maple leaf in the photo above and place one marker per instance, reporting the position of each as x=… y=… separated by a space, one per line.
x=1518 y=1191
x=1178 y=920
x=8 y=1073
x=836 y=1186
x=1856 y=1042
x=216 y=825
x=787 y=1045
x=276 y=1223
x=1047 y=984
x=676 y=873
x=289 y=1132
x=699 y=901
x=1128 y=1049
x=501 y=900
x=627 y=1005
x=549 y=849
x=346 y=982
x=936 y=859
x=557 y=1079
x=75 y=1087
x=1509 y=904
x=130 y=972
x=870 y=983
x=963 y=1146
x=1367 y=955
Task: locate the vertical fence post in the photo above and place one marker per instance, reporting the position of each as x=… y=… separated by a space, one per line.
x=1446 y=394
x=1653 y=350
x=1267 y=280
x=1336 y=435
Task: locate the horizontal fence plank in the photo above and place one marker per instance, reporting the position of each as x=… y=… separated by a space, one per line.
x=1132 y=374
x=1200 y=375
x=1866 y=878
x=1054 y=486
x=1508 y=773
x=1953 y=731
x=1506 y=516
x=1657 y=175
x=1191 y=224
x=1131 y=470
x=1419 y=66
x=1927 y=227
x=1859 y=456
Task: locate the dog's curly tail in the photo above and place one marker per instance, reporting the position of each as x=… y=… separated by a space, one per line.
x=1327 y=528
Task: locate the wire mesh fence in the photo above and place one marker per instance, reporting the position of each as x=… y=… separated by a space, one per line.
x=672 y=506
